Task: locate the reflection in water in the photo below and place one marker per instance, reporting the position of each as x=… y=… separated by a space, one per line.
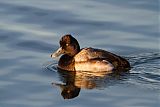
x=68 y=89
x=74 y=81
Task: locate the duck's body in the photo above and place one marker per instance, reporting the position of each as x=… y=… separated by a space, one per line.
x=87 y=59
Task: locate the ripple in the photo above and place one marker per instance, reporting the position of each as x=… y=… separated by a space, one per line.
x=146 y=70
x=35 y=45
x=141 y=4
x=144 y=58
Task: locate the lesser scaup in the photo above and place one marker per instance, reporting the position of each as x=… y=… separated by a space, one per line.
x=87 y=59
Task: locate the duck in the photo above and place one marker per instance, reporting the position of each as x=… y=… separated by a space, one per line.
x=87 y=59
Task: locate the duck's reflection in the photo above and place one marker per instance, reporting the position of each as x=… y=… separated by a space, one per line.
x=68 y=88
x=74 y=81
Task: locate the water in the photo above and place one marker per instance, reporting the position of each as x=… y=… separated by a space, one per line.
x=30 y=31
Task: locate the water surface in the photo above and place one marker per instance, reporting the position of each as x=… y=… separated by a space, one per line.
x=30 y=31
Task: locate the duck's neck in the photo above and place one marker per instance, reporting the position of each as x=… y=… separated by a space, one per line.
x=66 y=62
x=76 y=51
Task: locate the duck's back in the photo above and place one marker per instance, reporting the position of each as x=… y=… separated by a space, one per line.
x=88 y=54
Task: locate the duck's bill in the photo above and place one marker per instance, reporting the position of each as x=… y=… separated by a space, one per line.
x=57 y=53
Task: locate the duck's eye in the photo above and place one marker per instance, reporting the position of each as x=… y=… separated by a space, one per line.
x=67 y=44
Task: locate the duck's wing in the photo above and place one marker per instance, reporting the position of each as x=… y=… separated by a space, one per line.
x=92 y=53
x=88 y=54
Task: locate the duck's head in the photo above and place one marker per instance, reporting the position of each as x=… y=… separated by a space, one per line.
x=68 y=45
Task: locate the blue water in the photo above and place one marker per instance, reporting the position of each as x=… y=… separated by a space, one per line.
x=30 y=31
